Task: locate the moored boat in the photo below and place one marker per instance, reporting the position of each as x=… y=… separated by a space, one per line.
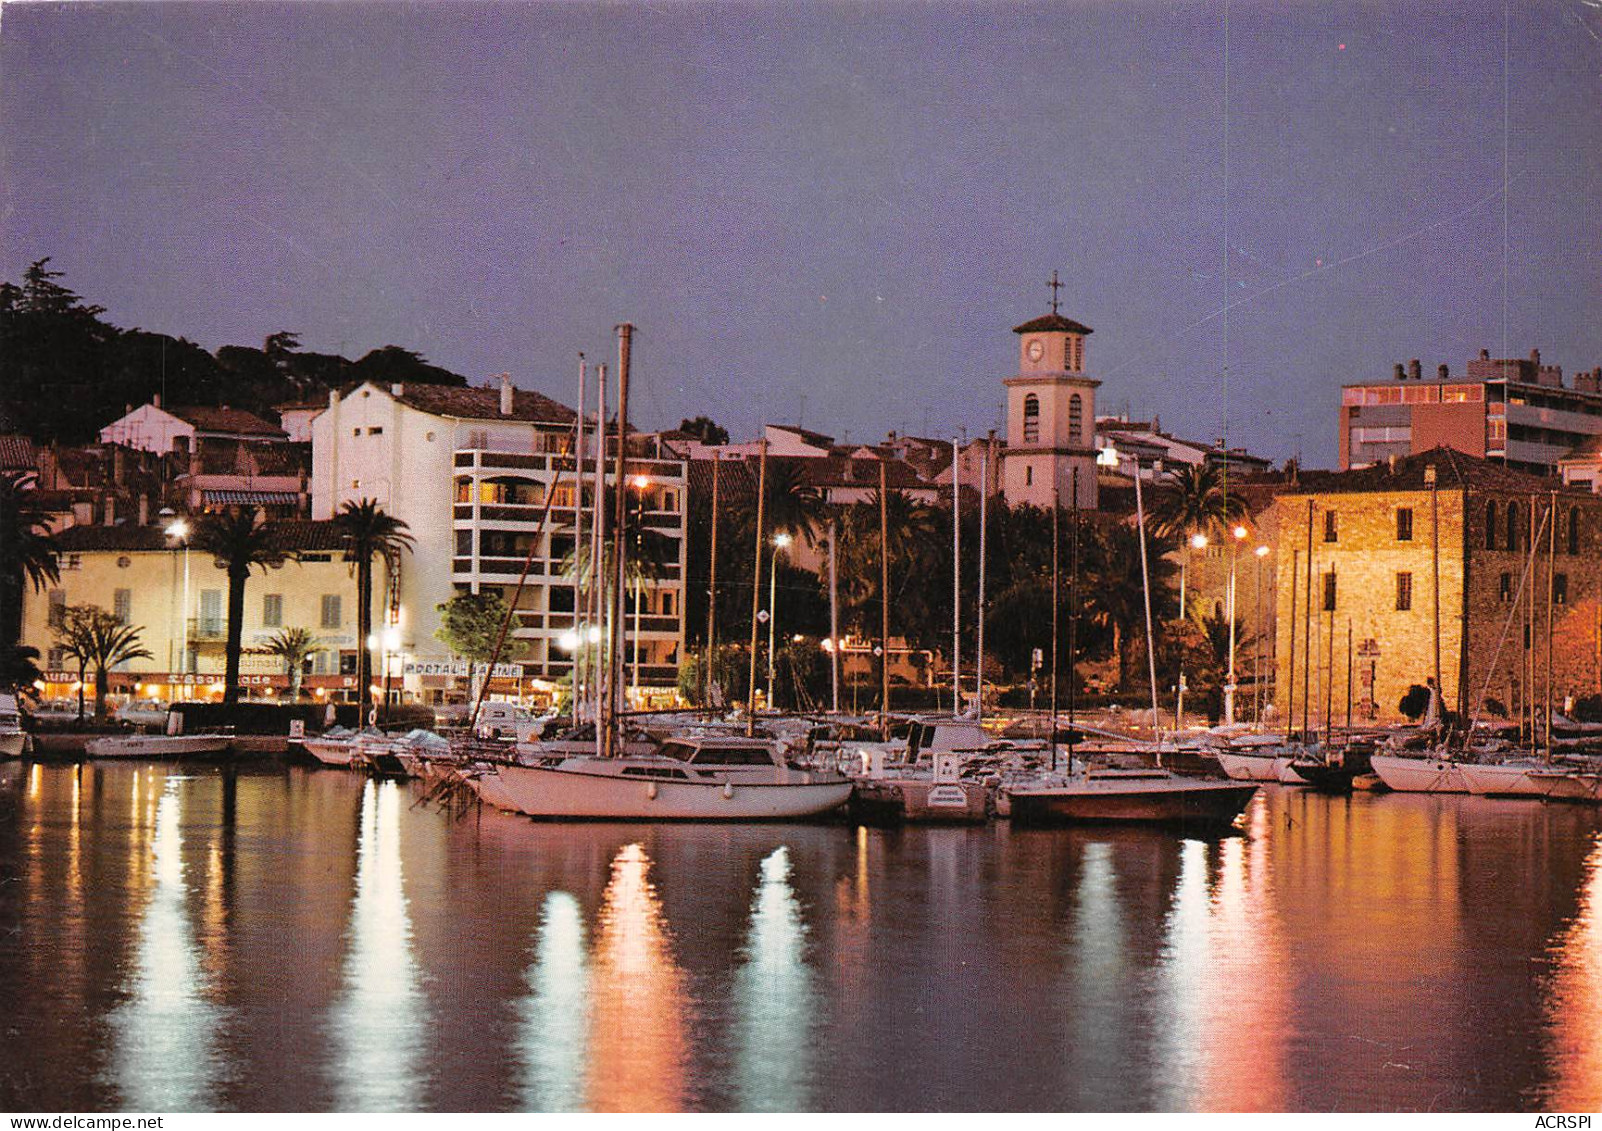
x=13 y=740
x=688 y=779
x=158 y=745
x=1428 y=773
x=1146 y=796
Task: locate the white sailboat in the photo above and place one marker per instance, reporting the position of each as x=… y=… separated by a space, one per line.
x=12 y=738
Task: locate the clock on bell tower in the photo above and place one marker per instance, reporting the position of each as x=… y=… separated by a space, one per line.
x=1051 y=414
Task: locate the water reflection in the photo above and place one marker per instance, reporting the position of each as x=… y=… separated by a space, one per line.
x=379 y=1019
x=773 y=994
x=1575 y=1001
x=553 y=1032
x=1183 y=971
x=1102 y=998
x=638 y=1040
x=166 y=1032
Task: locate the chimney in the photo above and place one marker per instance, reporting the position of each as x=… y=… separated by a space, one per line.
x=1535 y=358
x=155 y=400
x=333 y=398
x=397 y=390
x=506 y=394
x=1391 y=461
x=144 y=510
x=111 y=510
x=1414 y=372
x=1485 y=355
x=1443 y=372
x=1396 y=371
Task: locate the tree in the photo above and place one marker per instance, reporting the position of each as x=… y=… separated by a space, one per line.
x=97 y=639
x=295 y=646
x=1415 y=702
x=705 y=429
x=19 y=669
x=469 y=625
x=237 y=544
x=793 y=505
x=1193 y=500
x=367 y=530
x=27 y=554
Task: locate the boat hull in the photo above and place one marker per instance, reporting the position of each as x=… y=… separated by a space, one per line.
x=914 y=801
x=1419 y=775
x=13 y=743
x=571 y=794
x=158 y=746
x=1505 y=781
x=329 y=753
x=1171 y=802
x=1254 y=767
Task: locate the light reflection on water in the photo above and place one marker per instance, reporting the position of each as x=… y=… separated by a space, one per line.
x=379 y=1019
x=170 y=941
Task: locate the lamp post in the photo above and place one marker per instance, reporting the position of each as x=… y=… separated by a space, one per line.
x=1198 y=541
x=179 y=529
x=639 y=483
x=391 y=646
x=1257 y=649
x=1238 y=533
x=780 y=541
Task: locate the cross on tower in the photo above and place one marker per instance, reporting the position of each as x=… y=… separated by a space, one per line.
x=1055 y=287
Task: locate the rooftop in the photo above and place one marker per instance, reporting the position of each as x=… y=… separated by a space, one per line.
x=1455 y=470
x=233 y=421
x=1052 y=322
x=485 y=404
x=291 y=536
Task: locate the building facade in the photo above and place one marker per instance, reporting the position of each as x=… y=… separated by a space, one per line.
x=1516 y=411
x=1377 y=567
x=470 y=471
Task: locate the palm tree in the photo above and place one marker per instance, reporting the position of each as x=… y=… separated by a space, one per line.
x=1193 y=499
x=295 y=645
x=793 y=505
x=96 y=638
x=27 y=553
x=367 y=530
x=237 y=544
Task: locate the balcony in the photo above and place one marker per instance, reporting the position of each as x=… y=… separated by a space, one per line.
x=206 y=629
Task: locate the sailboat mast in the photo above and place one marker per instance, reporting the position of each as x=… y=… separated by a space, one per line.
x=599 y=672
x=578 y=543
x=1329 y=669
x=756 y=581
x=625 y=341
x=956 y=580
x=1073 y=619
x=711 y=597
x=1056 y=541
x=834 y=619
x=1145 y=588
x=1551 y=556
x=884 y=597
x=1307 y=626
x=979 y=632
x=1290 y=683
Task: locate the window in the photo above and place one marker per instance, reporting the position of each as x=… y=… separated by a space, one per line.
x=1330 y=532
x=1404 y=592
x=1029 y=475
x=667 y=603
x=1031 y=419
x=1490 y=525
x=1076 y=417
x=1404 y=524
x=1574 y=530
x=464 y=543
x=1504 y=587
x=1560 y=589
x=376 y=431
x=122 y=605
x=211 y=614
x=58 y=607
x=1329 y=592
x=331 y=612
x=272 y=610
x=57 y=658
x=1512 y=540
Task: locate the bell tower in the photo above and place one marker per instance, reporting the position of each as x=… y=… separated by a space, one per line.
x=1051 y=414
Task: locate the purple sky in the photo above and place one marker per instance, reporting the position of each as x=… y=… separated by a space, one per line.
x=831 y=212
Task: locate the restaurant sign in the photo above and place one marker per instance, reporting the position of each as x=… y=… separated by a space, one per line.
x=460 y=667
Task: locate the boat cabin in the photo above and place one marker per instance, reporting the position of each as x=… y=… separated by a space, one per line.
x=945 y=735
x=721 y=752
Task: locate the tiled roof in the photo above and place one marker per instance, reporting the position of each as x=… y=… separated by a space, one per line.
x=17 y=454
x=485 y=404
x=1588 y=448
x=840 y=471
x=1454 y=470
x=1052 y=322
x=290 y=534
x=234 y=421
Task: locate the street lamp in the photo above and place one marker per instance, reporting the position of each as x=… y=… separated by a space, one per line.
x=780 y=541
x=1239 y=533
x=391 y=646
x=179 y=529
x=1198 y=541
x=1260 y=553
x=639 y=483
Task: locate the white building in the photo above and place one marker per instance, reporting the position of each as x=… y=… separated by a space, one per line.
x=469 y=471
x=1051 y=414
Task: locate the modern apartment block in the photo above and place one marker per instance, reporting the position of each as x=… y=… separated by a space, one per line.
x=470 y=472
x=1515 y=411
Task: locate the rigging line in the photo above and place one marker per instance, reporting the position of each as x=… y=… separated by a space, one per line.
x=1224 y=427
x=1505 y=102
x=1364 y=254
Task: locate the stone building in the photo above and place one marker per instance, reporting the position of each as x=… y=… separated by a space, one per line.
x=1358 y=603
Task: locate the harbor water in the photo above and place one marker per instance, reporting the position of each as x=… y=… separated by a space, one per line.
x=201 y=938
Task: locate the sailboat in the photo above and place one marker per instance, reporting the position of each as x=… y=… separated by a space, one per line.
x=1095 y=793
x=699 y=778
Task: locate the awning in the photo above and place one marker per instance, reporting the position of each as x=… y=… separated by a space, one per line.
x=250 y=498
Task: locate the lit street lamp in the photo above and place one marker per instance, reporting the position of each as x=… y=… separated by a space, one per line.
x=780 y=542
x=1239 y=533
x=1257 y=651
x=179 y=529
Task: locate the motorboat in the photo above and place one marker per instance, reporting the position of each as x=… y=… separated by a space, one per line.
x=159 y=745
x=13 y=740
x=1145 y=795
x=339 y=746
x=706 y=778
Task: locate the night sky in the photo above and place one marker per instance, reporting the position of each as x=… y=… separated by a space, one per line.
x=830 y=213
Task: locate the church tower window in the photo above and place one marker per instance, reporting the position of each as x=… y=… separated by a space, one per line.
x=1076 y=418
x=1031 y=419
